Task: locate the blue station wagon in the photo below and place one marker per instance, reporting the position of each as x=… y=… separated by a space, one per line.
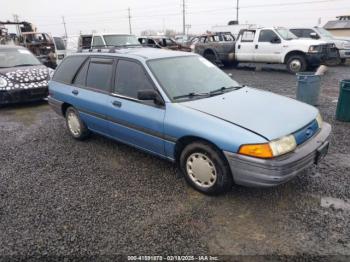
x=181 y=107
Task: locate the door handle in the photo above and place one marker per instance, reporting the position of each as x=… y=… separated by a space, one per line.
x=117 y=103
x=256 y=46
x=75 y=92
x=239 y=47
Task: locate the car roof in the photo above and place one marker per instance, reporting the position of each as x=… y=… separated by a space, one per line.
x=11 y=47
x=141 y=53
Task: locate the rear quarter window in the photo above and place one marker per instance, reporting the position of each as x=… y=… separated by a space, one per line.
x=68 y=69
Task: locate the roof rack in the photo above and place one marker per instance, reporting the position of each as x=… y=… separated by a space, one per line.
x=107 y=48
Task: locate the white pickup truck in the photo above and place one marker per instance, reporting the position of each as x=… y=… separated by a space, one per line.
x=273 y=45
x=280 y=46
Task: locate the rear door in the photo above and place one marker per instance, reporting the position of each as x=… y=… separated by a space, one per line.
x=245 y=47
x=135 y=122
x=269 y=47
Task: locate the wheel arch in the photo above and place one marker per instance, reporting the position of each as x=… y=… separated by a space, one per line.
x=182 y=142
x=64 y=108
x=294 y=52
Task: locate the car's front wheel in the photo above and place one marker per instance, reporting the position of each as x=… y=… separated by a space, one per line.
x=296 y=64
x=75 y=125
x=205 y=168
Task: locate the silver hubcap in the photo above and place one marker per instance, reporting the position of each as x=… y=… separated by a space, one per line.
x=201 y=170
x=295 y=65
x=73 y=123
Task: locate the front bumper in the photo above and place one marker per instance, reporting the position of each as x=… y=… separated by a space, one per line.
x=22 y=95
x=250 y=171
x=316 y=59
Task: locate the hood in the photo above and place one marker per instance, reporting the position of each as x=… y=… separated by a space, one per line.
x=26 y=74
x=307 y=41
x=269 y=115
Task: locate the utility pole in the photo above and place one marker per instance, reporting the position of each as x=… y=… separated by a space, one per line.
x=65 y=28
x=237 y=10
x=16 y=19
x=183 y=18
x=129 y=21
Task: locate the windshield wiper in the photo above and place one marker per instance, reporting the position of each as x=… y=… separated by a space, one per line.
x=190 y=95
x=24 y=65
x=224 y=89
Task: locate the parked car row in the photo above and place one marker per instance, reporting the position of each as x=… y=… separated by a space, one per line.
x=275 y=45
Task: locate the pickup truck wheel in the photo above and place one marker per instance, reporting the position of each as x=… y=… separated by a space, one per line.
x=343 y=61
x=296 y=64
x=205 y=168
x=210 y=56
x=76 y=127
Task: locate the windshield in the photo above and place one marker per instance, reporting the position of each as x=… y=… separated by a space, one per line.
x=324 y=33
x=117 y=40
x=180 y=76
x=286 y=34
x=59 y=43
x=17 y=57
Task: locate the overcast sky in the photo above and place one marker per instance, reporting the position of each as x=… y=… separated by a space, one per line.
x=112 y=15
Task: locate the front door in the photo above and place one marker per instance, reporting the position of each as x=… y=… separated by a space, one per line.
x=269 y=47
x=135 y=122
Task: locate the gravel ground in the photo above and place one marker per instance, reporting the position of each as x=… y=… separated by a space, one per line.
x=61 y=197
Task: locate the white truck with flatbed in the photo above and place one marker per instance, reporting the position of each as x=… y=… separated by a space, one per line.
x=274 y=45
x=277 y=45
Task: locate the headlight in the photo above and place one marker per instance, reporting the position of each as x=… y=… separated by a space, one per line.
x=3 y=82
x=275 y=148
x=319 y=120
x=314 y=49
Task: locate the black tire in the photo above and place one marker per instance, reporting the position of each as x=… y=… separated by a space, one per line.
x=233 y=64
x=296 y=58
x=343 y=61
x=224 y=180
x=210 y=56
x=83 y=130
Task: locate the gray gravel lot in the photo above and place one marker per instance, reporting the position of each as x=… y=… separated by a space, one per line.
x=99 y=197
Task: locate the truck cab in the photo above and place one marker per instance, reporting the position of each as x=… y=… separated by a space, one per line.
x=320 y=33
x=90 y=41
x=277 y=45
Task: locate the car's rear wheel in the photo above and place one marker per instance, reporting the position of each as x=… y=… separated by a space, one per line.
x=205 y=168
x=75 y=125
x=296 y=64
x=210 y=56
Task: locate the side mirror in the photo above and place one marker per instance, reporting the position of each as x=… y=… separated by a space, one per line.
x=275 y=40
x=150 y=95
x=313 y=35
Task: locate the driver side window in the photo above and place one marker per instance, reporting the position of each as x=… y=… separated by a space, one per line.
x=131 y=78
x=268 y=36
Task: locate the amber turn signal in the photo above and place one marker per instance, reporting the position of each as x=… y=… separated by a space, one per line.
x=258 y=150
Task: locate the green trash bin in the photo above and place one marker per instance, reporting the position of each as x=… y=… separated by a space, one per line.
x=343 y=107
x=309 y=88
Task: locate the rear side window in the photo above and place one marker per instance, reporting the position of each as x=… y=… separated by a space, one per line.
x=68 y=68
x=248 y=36
x=98 y=41
x=80 y=78
x=130 y=78
x=100 y=74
